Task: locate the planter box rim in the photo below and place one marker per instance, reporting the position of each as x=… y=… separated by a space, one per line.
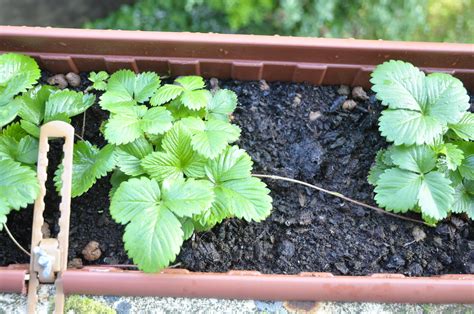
x=242 y=57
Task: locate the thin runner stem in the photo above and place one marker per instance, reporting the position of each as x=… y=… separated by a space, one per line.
x=78 y=136
x=14 y=240
x=83 y=125
x=337 y=194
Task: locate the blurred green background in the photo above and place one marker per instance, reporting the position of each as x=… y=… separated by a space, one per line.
x=415 y=20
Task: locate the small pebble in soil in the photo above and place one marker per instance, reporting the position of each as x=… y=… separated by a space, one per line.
x=264 y=85
x=349 y=104
x=418 y=234
x=58 y=80
x=214 y=82
x=297 y=100
x=314 y=115
x=342 y=267
x=286 y=248
x=395 y=262
x=359 y=93
x=344 y=90
x=73 y=79
x=91 y=251
x=75 y=263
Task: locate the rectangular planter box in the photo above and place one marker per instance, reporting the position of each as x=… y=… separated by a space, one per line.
x=242 y=57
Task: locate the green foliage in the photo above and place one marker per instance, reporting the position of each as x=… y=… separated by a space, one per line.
x=430 y=167
x=18 y=73
x=179 y=174
x=18 y=187
x=416 y=20
x=89 y=164
x=99 y=80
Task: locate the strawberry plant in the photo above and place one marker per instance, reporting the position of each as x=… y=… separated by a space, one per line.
x=23 y=109
x=176 y=171
x=429 y=168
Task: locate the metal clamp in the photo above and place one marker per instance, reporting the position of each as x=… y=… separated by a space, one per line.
x=48 y=255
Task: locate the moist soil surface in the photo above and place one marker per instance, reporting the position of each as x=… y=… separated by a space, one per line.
x=301 y=132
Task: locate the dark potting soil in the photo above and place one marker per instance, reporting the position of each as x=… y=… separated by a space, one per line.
x=298 y=131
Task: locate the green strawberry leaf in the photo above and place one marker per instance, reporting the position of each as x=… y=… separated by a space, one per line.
x=177 y=159
x=153 y=238
x=454 y=156
x=465 y=127
x=421 y=159
x=89 y=164
x=420 y=107
x=8 y=113
x=129 y=156
x=210 y=138
x=131 y=123
x=24 y=150
x=196 y=99
x=188 y=228
x=222 y=104
x=126 y=89
x=18 y=73
x=397 y=190
x=165 y=94
x=378 y=167
x=466 y=168
x=154 y=234
x=99 y=80
x=180 y=111
x=191 y=82
x=66 y=103
x=463 y=201
x=436 y=195
x=18 y=186
x=32 y=103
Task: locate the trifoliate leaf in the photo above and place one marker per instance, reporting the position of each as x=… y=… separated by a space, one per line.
x=186 y=198
x=18 y=185
x=165 y=94
x=129 y=156
x=232 y=164
x=32 y=103
x=8 y=113
x=210 y=138
x=99 y=80
x=463 y=201
x=133 y=122
x=420 y=107
x=409 y=127
x=17 y=74
x=436 y=195
x=154 y=234
x=24 y=150
x=222 y=104
x=177 y=159
x=248 y=198
x=378 y=167
x=214 y=215
x=416 y=158
x=397 y=189
x=125 y=89
x=454 y=156
x=465 y=127
x=196 y=99
x=89 y=164
x=66 y=103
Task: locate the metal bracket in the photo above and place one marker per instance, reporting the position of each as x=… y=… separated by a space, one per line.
x=49 y=256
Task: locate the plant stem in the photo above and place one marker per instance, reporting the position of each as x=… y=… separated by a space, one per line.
x=14 y=240
x=337 y=194
x=80 y=137
x=83 y=125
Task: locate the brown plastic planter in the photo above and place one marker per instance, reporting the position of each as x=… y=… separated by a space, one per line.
x=244 y=57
